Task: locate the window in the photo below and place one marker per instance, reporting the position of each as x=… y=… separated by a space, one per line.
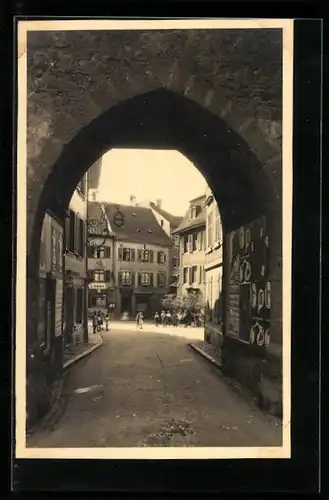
x=99 y=275
x=193 y=213
x=194 y=241
x=79 y=307
x=161 y=222
x=161 y=279
x=185 y=274
x=145 y=255
x=101 y=252
x=194 y=273
x=161 y=258
x=145 y=279
x=101 y=301
x=210 y=229
x=218 y=235
x=175 y=261
x=126 y=254
x=126 y=277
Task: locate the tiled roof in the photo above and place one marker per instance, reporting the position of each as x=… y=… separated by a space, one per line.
x=174 y=220
x=140 y=225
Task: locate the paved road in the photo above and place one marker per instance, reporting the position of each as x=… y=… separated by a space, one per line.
x=151 y=389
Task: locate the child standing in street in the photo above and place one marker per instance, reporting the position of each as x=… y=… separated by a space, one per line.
x=139 y=321
x=94 y=321
x=156 y=319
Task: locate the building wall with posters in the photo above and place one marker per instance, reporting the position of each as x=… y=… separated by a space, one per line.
x=213 y=271
x=76 y=293
x=192 y=247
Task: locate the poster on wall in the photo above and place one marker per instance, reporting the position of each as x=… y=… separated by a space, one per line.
x=249 y=287
x=59 y=308
x=56 y=249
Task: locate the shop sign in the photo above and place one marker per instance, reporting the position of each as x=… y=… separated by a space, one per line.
x=97 y=286
x=59 y=308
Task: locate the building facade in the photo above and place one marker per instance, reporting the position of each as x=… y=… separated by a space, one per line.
x=75 y=325
x=192 y=247
x=213 y=271
x=140 y=265
x=101 y=260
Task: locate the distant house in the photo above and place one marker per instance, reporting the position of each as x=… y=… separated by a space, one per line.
x=213 y=270
x=141 y=257
x=192 y=246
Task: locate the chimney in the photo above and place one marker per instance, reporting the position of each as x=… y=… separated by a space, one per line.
x=133 y=199
x=158 y=202
x=92 y=194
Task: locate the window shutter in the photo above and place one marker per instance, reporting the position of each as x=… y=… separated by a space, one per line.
x=132 y=280
x=151 y=255
x=139 y=255
x=120 y=253
x=107 y=276
x=139 y=279
x=133 y=254
x=67 y=233
x=107 y=252
x=164 y=257
x=190 y=275
x=120 y=278
x=151 y=279
x=190 y=242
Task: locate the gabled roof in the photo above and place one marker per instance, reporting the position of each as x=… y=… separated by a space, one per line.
x=174 y=220
x=140 y=225
x=200 y=220
x=188 y=223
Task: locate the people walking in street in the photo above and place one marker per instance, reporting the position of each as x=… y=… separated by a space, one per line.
x=100 y=320
x=175 y=319
x=163 y=318
x=179 y=318
x=168 y=318
x=156 y=319
x=139 y=321
x=94 y=321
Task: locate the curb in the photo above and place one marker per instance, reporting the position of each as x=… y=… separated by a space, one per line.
x=58 y=393
x=205 y=355
x=71 y=362
x=52 y=413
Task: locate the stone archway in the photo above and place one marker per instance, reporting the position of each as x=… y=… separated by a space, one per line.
x=237 y=152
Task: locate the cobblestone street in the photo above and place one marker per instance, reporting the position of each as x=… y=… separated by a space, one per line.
x=143 y=388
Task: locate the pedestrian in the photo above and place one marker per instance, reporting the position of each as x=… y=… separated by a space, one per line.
x=156 y=319
x=139 y=321
x=179 y=318
x=107 y=320
x=168 y=318
x=175 y=319
x=94 y=321
x=163 y=318
x=100 y=320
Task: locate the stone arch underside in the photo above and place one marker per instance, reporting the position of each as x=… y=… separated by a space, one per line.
x=165 y=120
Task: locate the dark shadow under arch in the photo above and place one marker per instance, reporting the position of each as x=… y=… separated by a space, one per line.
x=165 y=120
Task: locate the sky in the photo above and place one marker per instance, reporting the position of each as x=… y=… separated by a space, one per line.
x=150 y=174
